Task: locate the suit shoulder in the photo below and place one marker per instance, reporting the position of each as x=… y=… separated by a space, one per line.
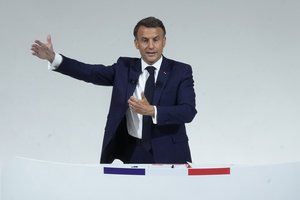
x=175 y=63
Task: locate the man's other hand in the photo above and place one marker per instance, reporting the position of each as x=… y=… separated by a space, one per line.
x=141 y=106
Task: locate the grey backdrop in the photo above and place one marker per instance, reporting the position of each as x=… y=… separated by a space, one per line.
x=245 y=57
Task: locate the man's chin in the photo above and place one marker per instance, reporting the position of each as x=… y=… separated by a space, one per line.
x=151 y=60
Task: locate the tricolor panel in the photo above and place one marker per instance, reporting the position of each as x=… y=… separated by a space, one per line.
x=154 y=171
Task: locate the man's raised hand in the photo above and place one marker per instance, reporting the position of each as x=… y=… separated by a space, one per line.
x=43 y=50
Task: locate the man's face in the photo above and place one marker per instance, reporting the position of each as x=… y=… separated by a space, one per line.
x=150 y=42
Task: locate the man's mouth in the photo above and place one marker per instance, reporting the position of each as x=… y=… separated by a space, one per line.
x=151 y=53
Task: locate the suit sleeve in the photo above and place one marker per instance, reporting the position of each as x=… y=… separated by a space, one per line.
x=183 y=108
x=97 y=74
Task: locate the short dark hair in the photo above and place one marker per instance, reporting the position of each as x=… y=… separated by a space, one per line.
x=149 y=22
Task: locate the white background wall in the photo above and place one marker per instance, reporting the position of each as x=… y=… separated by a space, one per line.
x=244 y=53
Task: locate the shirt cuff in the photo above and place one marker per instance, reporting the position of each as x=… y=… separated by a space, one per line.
x=56 y=62
x=154 y=118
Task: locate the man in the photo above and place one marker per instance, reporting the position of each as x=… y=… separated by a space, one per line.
x=147 y=116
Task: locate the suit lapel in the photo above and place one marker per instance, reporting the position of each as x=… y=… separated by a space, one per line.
x=162 y=78
x=135 y=70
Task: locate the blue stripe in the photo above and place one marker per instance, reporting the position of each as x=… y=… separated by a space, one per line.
x=124 y=171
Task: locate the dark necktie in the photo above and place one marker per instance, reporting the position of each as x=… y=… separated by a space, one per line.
x=147 y=120
x=150 y=84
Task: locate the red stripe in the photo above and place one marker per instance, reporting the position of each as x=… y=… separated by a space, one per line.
x=208 y=171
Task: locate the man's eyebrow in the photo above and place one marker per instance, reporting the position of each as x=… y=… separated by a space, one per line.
x=155 y=37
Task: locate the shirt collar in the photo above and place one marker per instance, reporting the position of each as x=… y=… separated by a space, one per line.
x=156 y=65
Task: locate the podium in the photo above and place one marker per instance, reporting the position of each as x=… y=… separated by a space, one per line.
x=25 y=178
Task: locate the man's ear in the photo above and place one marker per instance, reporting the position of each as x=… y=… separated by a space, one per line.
x=136 y=44
x=164 y=42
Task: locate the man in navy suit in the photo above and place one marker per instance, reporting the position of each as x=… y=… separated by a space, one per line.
x=139 y=128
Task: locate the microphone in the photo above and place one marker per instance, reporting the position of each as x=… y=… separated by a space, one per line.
x=133 y=81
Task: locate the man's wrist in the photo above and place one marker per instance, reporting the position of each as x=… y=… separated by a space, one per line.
x=56 y=62
x=51 y=57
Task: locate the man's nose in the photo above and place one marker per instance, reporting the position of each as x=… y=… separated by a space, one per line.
x=150 y=44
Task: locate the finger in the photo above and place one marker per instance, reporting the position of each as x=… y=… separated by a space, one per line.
x=49 y=40
x=132 y=106
x=132 y=103
x=35 y=47
x=133 y=99
x=39 y=43
x=129 y=102
x=34 y=50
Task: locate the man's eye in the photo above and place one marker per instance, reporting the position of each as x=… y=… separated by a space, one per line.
x=156 y=39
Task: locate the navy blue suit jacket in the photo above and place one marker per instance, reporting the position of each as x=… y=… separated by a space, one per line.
x=174 y=98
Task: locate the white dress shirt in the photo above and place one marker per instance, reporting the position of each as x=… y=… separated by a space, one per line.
x=134 y=120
